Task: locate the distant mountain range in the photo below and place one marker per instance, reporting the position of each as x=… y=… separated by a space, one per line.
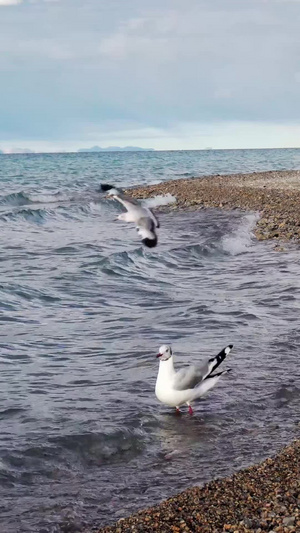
x=17 y=151
x=116 y=149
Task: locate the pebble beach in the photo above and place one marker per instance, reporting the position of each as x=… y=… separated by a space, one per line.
x=263 y=497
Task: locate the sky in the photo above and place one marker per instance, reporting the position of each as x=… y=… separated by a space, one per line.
x=163 y=74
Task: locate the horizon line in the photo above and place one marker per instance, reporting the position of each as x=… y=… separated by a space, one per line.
x=80 y=151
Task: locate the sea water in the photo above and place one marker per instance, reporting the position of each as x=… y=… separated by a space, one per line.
x=83 y=310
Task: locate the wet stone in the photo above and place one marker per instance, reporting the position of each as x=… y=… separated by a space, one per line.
x=289 y=521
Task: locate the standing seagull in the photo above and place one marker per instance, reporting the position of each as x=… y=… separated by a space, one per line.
x=142 y=216
x=188 y=384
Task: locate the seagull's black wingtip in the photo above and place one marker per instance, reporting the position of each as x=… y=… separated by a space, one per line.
x=105 y=187
x=150 y=243
x=230 y=346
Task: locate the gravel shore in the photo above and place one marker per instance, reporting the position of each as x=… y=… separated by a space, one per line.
x=264 y=497
x=275 y=195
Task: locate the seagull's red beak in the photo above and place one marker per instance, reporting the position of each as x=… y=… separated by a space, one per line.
x=159 y=355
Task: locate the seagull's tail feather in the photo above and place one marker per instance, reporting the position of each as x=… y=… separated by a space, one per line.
x=214 y=362
x=208 y=384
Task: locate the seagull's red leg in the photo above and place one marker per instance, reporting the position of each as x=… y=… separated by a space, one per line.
x=190 y=410
x=177 y=410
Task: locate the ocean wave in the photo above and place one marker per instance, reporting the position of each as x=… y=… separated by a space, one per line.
x=124 y=264
x=287 y=393
x=49 y=198
x=194 y=252
x=184 y=174
x=95 y=207
x=12 y=294
x=100 y=448
x=26 y=198
x=37 y=216
x=236 y=242
x=15 y=199
x=240 y=239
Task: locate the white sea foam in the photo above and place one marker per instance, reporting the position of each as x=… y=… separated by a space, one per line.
x=240 y=239
x=3 y=466
x=160 y=199
x=48 y=198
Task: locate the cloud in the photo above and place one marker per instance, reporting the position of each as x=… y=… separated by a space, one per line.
x=10 y=2
x=95 y=68
x=17 y=2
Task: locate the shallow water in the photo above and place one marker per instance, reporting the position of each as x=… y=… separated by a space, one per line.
x=84 y=309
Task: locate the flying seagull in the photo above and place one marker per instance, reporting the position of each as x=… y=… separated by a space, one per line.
x=188 y=384
x=142 y=216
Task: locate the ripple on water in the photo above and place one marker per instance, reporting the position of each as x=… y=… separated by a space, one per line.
x=84 y=309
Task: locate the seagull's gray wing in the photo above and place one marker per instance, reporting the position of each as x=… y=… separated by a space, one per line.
x=188 y=378
x=130 y=203
x=118 y=194
x=144 y=216
x=127 y=201
x=154 y=218
x=146 y=223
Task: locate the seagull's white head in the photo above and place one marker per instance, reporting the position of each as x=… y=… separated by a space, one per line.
x=165 y=352
x=112 y=192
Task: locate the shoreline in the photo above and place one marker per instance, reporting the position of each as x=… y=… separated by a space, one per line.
x=274 y=194
x=262 y=497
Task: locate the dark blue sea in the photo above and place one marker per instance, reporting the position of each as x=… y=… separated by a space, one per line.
x=83 y=311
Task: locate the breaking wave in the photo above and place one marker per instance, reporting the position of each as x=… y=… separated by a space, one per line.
x=160 y=200
x=240 y=239
x=25 y=198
